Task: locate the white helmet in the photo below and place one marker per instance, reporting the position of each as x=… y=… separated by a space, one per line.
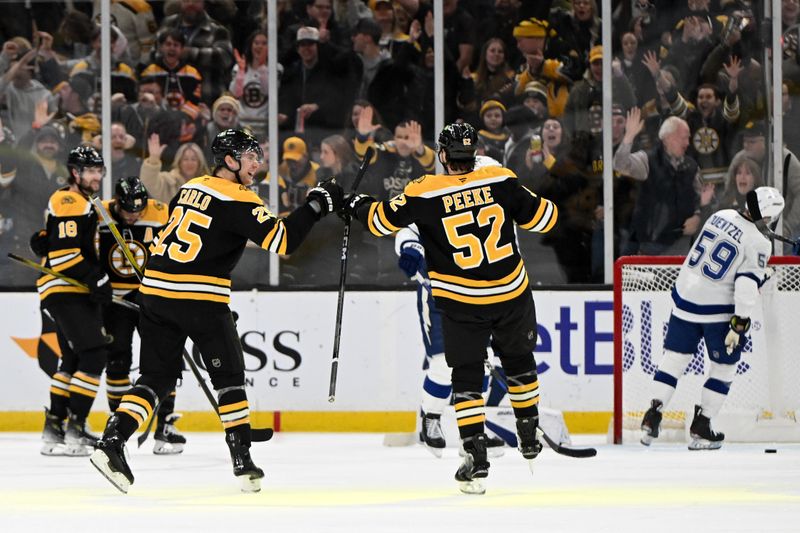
x=770 y=203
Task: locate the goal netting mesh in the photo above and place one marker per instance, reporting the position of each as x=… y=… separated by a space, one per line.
x=764 y=401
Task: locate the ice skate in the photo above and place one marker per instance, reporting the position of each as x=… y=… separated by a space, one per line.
x=651 y=423
x=475 y=466
x=529 y=445
x=243 y=467
x=703 y=437
x=168 y=440
x=494 y=447
x=53 y=435
x=109 y=458
x=431 y=434
x=78 y=440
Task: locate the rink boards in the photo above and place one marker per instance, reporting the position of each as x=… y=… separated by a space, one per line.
x=287 y=339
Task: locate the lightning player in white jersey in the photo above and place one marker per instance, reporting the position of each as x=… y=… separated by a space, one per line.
x=714 y=297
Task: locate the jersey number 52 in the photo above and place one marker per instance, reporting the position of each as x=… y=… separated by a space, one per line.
x=476 y=250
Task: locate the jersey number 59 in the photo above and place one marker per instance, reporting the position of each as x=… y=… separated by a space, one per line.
x=719 y=259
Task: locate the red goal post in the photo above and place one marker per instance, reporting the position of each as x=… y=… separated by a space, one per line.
x=764 y=402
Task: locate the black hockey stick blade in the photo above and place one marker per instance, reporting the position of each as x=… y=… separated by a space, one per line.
x=261 y=434
x=143 y=437
x=580 y=453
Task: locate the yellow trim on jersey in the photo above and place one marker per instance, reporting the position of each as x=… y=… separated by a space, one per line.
x=526 y=403
x=185 y=295
x=227 y=190
x=432 y=185
x=62 y=289
x=545 y=217
x=276 y=239
x=68 y=264
x=482 y=300
x=61 y=253
x=449 y=278
x=65 y=203
x=377 y=223
x=121 y=285
x=188 y=278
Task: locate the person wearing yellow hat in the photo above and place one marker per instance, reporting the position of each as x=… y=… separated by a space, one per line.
x=296 y=174
x=493 y=135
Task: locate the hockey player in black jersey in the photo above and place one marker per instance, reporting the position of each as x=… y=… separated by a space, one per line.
x=466 y=222
x=69 y=245
x=139 y=219
x=186 y=292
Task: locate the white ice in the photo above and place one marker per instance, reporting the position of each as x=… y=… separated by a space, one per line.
x=352 y=483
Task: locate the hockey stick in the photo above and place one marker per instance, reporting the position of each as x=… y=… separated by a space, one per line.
x=112 y=225
x=256 y=435
x=556 y=447
x=343 y=278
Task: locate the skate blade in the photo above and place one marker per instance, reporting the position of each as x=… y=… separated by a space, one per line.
x=100 y=461
x=77 y=450
x=249 y=484
x=472 y=487
x=53 y=449
x=167 y=448
x=531 y=466
x=437 y=452
x=646 y=439
x=702 y=444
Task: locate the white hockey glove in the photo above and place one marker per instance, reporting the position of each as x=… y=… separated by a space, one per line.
x=738 y=327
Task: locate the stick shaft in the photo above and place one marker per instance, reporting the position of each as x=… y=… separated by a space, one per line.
x=342 y=281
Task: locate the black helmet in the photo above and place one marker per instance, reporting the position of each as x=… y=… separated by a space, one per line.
x=84 y=156
x=234 y=143
x=131 y=194
x=459 y=141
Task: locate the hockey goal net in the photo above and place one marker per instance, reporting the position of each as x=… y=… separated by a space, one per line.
x=764 y=401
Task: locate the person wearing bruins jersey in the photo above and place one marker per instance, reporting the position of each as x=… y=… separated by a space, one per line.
x=138 y=219
x=466 y=222
x=185 y=292
x=68 y=243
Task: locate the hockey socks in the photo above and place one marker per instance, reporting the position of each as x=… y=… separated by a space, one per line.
x=82 y=392
x=234 y=411
x=135 y=407
x=59 y=395
x=116 y=387
x=470 y=413
x=523 y=391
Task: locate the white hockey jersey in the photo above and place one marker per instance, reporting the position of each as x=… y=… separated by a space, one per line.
x=723 y=271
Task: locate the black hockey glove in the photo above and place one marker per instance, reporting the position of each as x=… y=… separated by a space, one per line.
x=38 y=243
x=328 y=196
x=100 y=291
x=738 y=327
x=353 y=202
x=411 y=258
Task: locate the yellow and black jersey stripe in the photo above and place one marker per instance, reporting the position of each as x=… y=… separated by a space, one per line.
x=211 y=220
x=466 y=223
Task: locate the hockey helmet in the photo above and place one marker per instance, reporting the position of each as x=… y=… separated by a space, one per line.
x=765 y=203
x=234 y=143
x=84 y=156
x=131 y=194
x=459 y=141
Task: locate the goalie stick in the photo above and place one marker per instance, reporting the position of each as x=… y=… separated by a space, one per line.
x=560 y=449
x=343 y=278
x=256 y=434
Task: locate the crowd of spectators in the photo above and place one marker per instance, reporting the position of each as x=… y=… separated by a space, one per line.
x=690 y=109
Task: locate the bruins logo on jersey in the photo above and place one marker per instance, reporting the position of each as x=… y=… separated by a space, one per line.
x=253 y=96
x=118 y=262
x=67 y=200
x=705 y=140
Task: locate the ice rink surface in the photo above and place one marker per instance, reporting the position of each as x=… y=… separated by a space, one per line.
x=352 y=483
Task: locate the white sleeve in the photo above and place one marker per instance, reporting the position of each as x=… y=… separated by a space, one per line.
x=751 y=275
x=408 y=236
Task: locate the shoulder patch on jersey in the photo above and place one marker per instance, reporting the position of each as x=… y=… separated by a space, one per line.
x=223 y=189
x=438 y=184
x=65 y=203
x=155 y=212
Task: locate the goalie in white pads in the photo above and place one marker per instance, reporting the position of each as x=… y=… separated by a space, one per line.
x=714 y=297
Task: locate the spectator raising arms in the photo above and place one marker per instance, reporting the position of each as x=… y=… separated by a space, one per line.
x=189 y=163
